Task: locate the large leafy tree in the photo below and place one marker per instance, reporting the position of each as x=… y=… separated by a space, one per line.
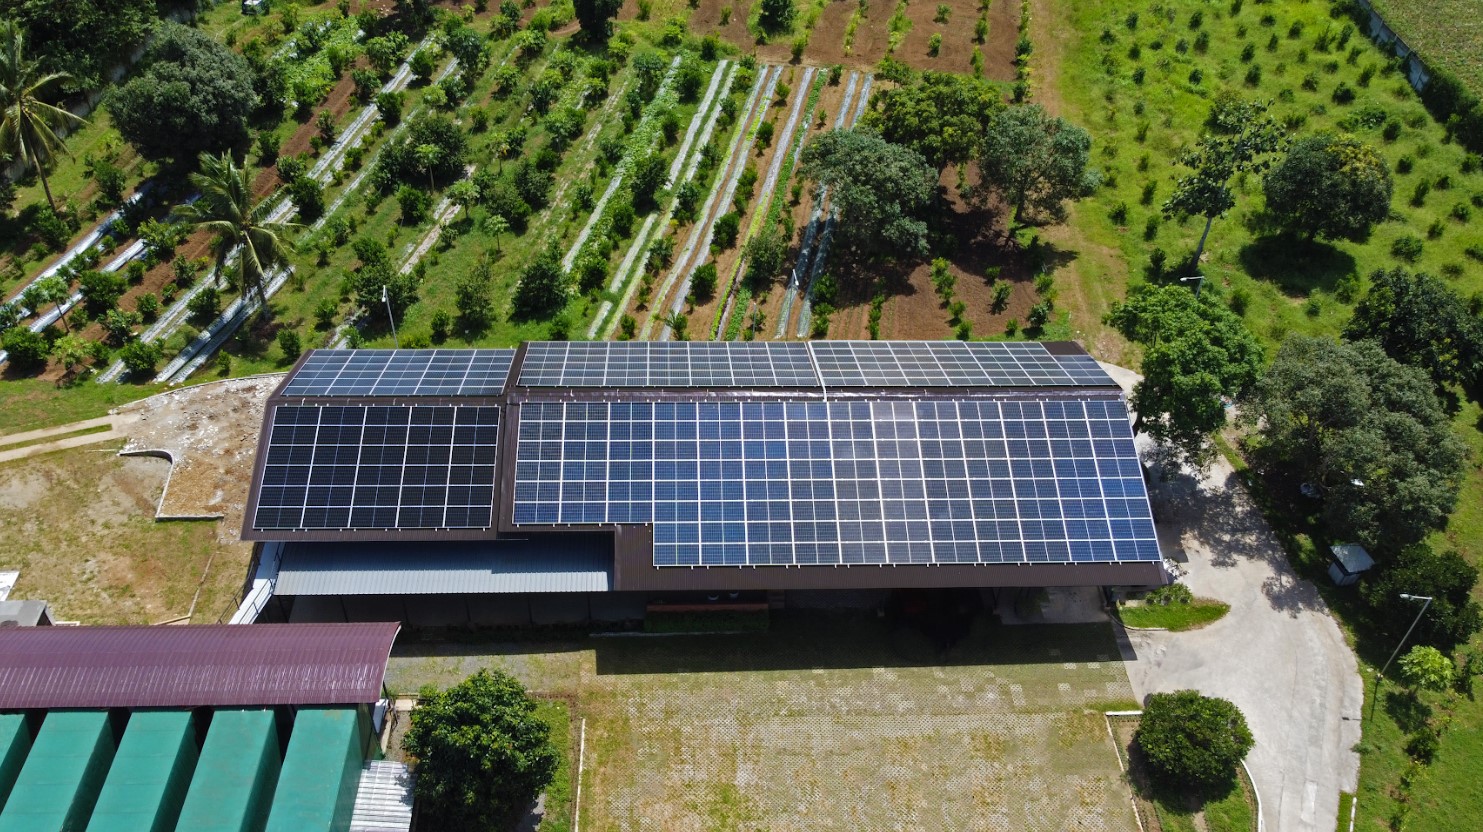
x=192 y=96
x=1419 y=321
x=1197 y=354
x=1241 y=138
x=596 y=17
x=28 y=125
x=1453 y=616
x=544 y=286
x=1192 y=739
x=226 y=208
x=482 y=754
x=882 y=190
x=1035 y=161
x=1330 y=186
x=940 y=115
x=1368 y=430
x=776 y=16
x=83 y=38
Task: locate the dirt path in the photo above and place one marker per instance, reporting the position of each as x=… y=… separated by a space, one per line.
x=114 y=423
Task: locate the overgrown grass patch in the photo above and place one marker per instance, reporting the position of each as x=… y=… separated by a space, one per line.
x=1174 y=616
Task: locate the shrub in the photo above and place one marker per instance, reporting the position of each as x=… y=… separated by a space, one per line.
x=1343 y=94
x=415 y=204
x=1254 y=75
x=204 y=306
x=1039 y=314
x=289 y=344
x=1192 y=739
x=703 y=282
x=28 y=350
x=1407 y=247
x=139 y=357
x=441 y=323
x=725 y=230
x=1404 y=164
x=1418 y=195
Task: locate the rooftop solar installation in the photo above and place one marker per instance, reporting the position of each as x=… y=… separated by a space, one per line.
x=378 y=467
x=951 y=364
x=193 y=666
x=813 y=482
x=667 y=364
x=401 y=373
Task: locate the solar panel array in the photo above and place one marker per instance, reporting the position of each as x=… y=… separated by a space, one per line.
x=378 y=467
x=951 y=364
x=402 y=373
x=667 y=364
x=843 y=482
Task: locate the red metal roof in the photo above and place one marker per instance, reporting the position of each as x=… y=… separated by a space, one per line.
x=190 y=666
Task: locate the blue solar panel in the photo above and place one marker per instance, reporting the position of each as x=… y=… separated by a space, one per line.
x=667 y=364
x=378 y=467
x=843 y=482
x=951 y=364
x=402 y=373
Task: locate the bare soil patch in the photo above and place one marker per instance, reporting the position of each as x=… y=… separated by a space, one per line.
x=210 y=431
x=79 y=526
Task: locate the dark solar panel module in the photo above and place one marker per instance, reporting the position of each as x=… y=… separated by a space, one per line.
x=733 y=483
x=378 y=467
x=401 y=373
x=951 y=364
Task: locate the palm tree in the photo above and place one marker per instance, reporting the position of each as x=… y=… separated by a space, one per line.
x=225 y=208
x=28 y=126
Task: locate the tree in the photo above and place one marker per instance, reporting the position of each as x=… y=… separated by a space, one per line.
x=1192 y=739
x=53 y=290
x=1242 y=138
x=28 y=125
x=428 y=156
x=776 y=16
x=596 y=16
x=1367 y=430
x=192 y=96
x=464 y=194
x=472 y=295
x=72 y=350
x=27 y=350
x=882 y=190
x=226 y=208
x=1419 y=321
x=1197 y=354
x=84 y=38
x=649 y=67
x=1427 y=668
x=648 y=180
x=941 y=116
x=1036 y=162
x=1453 y=616
x=544 y=287
x=140 y=358
x=482 y=753
x=1335 y=187
x=764 y=254
x=496 y=226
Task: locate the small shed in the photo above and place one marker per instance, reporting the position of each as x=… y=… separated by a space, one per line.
x=1349 y=561
x=24 y=614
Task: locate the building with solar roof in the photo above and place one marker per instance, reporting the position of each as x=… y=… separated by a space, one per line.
x=589 y=475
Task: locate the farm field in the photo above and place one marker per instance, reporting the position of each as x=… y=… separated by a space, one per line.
x=1447 y=33
x=1086 y=65
x=827 y=721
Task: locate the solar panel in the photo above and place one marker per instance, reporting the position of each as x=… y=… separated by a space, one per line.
x=667 y=364
x=402 y=373
x=730 y=483
x=378 y=467
x=951 y=364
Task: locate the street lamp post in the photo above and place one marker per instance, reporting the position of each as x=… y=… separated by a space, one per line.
x=1200 y=281
x=1405 y=596
x=396 y=342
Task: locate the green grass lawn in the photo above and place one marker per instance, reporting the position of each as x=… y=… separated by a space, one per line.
x=1176 y=617
x=557 y=715
x=1446 y=33
x=1282 y=286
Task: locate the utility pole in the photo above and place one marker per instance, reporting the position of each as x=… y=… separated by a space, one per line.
x=396 y=342
x=1378 y=676
x=1200 y=281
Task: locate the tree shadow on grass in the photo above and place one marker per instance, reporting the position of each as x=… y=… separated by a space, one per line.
x=1407 y=710
x=1295 y=265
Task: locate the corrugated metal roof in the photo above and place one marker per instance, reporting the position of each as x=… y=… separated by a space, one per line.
x=190 y=666
x=384 y=801
x=569 y=563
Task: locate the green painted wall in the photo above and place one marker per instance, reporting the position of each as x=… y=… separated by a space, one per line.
x=59 y=783
x=15 y=744
x=321 y=771
x=236 y=774
x=150 y=774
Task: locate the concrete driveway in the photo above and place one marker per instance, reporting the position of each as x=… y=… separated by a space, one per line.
x=1278 y=654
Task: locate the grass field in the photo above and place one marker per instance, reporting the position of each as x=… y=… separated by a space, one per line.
x=1088 y=59
x=111 y=562
x=1176 y=617
x=1447 y=33
x=828 y=722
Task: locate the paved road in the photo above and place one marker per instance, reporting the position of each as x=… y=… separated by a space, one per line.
x=1278 y=654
